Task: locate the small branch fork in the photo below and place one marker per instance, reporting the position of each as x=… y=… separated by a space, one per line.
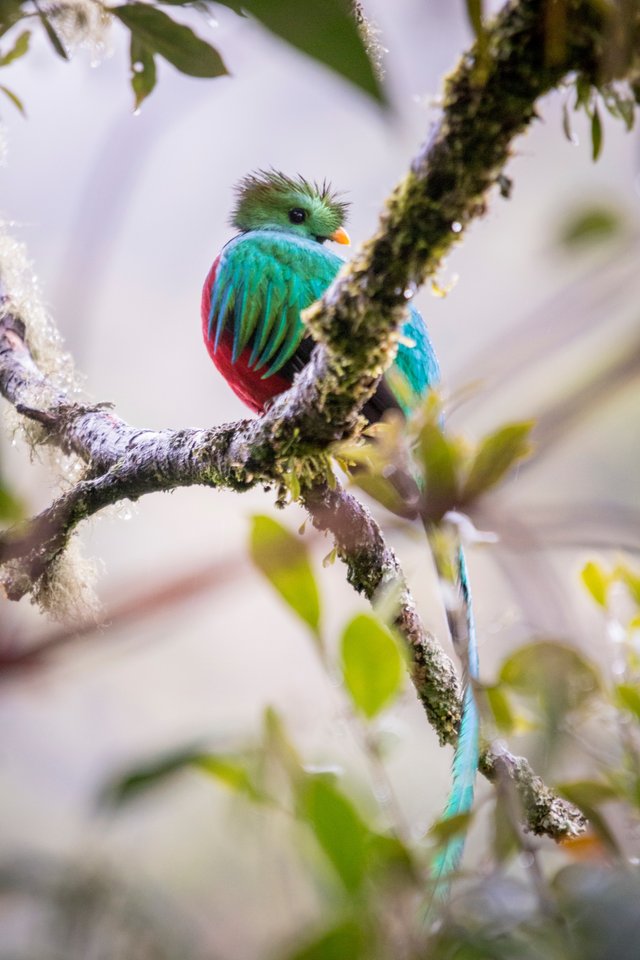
x=356 y=325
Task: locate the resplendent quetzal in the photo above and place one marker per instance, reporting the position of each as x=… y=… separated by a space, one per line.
x=275 y=267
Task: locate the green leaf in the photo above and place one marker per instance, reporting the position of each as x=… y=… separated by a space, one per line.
x=143 y=70
x=474 y=13
x=379 y=489
x=346 y=941
x=628 y=696
x=14 y=99
x=596 y=581
x=500 y=708
x=372 y=664
x=230 y=771
x=583 y=91
x=11 y=12
x=554 y=672
x=388 y=856
x=175 y=42
x=19 y=49
x=496 y=454
x=11 y=509
x=439 y=459
x=446 y=828
x=147 y=775
x=630 y=579
x=282 y=558
x=590 y=226
x=325 y=30
x=591 y=792
x=596 y=133
x=277 y=745
x=56 y=42
x=338 y=828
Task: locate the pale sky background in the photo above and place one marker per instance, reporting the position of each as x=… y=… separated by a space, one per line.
x=122 y=216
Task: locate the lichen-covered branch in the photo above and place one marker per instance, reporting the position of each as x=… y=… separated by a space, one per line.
x=488 y=100
x=124 y=462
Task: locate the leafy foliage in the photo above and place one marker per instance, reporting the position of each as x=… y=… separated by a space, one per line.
x=451 y=473
x=526 y=906
x=283 y=559
x=372 y=664
x=591 y=225
x=177 y=43
x=325 y=30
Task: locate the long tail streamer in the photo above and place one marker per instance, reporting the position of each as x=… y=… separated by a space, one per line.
x=465 y=761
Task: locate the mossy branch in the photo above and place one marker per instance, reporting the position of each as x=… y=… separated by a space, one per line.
x=488 y=100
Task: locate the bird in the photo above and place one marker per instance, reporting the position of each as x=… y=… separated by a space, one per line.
x=275 y=266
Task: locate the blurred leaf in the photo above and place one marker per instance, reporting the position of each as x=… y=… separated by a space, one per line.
x=583 y=91
x=14 y=99
x=591 y=792
x=566 y=123
x=439 y=458
x=340 y=832
x=371 y=663
x=175 y=42
x=278 y=747
x=596 y=133
x=620 y=107
x=380 y=489
x=556 y=673
x=500 y=707
x=588 y=795
x=55 y=40
x=11 y=509
x=506 y=842
x=143 y=70
x=389 y=855
x=590 y=226
x=19 y=49
x=343 y=942
x=282 y=557
x=628 y=697
x=496 y=454
x=630 y=579
x=150 y=774
x=596 y=581
x=447 y=827
x=11 y=12
x=474 y=13
x=230 y=771
x=325 y=30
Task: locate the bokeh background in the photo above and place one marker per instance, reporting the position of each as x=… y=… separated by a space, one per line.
x=122 y=215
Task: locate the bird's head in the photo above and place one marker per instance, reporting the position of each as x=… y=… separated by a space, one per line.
x=268 y=200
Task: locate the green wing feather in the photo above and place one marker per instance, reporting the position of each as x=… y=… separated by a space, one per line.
x=265 y=279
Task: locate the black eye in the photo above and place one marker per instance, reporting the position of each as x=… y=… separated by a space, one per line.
x=297 y=215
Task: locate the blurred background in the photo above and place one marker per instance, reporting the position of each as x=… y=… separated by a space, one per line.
x=122 y=215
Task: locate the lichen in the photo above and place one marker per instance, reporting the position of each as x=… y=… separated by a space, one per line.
x=66 y=590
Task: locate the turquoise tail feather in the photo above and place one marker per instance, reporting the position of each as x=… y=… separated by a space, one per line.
x=467 y=752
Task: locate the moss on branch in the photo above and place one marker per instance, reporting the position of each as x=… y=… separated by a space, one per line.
x=489 y=99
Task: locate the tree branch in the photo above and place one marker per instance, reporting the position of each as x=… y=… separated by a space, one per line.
x=488 y=100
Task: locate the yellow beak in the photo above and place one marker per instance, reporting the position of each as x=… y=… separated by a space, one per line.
x=340 y=236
